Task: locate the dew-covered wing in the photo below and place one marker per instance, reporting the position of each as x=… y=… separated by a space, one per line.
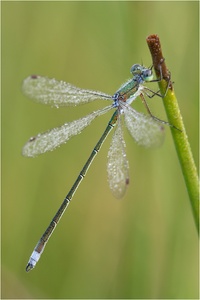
x=146 y=131
x=53 y=138
x=117 y=166
x=58 y=93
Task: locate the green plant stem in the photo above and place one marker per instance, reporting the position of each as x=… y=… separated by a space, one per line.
x=180 y=138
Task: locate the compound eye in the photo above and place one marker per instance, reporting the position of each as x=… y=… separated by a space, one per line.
x=135 y=68
x=147 y=75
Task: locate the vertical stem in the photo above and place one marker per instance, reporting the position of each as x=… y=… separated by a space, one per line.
x=180 y=138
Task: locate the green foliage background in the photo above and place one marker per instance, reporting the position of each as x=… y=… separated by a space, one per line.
x=144 y=246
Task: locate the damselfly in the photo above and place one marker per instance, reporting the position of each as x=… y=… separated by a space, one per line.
x=146 y=130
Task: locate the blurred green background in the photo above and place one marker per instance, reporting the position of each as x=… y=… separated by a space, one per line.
x=144 y=246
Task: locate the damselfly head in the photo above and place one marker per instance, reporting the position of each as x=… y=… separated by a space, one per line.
x=144 y=73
